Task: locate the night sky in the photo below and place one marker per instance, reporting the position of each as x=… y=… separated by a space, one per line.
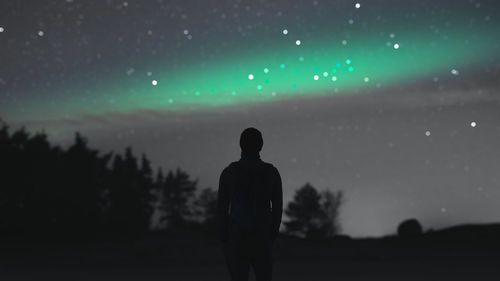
x=395 y=102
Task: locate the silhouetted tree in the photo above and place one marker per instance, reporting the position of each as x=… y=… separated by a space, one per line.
x=305 y=212
x=312 y=214
x=44 y=188
x=130 y=194
x=82 y=194
x=206 y=205
x=22 y=176
x=410 y=228
x=47 y=189
x=176 y=195
x=331 y=202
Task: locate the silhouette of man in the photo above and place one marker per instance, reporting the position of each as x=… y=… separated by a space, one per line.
x=250 y=205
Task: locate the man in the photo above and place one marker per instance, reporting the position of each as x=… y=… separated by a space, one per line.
x=250 y=205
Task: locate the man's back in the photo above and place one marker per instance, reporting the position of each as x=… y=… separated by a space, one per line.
x=250 y=204
x=250 y=195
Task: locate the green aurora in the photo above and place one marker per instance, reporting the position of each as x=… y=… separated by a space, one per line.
x=284 y=70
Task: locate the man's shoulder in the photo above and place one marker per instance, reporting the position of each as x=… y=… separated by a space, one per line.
x=229 y=167
x=269 y=166
x=269 y=169
x=238 y=164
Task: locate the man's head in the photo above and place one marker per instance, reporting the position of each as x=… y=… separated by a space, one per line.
x=251 y=140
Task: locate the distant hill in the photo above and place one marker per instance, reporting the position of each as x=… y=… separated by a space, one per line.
x=470 y=234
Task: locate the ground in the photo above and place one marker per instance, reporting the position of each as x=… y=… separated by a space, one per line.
x=182 y=259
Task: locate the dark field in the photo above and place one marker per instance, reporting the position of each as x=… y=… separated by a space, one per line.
x=191 y=257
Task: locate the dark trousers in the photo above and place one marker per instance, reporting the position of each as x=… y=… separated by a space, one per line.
x=246 y=248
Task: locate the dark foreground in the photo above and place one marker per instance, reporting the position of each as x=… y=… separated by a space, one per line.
x=185 y=257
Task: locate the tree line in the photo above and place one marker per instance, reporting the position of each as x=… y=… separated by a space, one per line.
x=47 y=189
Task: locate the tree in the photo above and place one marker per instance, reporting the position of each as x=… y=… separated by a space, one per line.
x=78 y=201
x=176 y=195
x=45 y=189
x=331 y=202
x=206 y=204
x=130 y=193
x=305 y=212
x=410 y=228
x=70 y=191
x=312 y=214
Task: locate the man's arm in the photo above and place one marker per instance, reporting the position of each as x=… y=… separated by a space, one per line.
x=223 y=196
x=277 y=204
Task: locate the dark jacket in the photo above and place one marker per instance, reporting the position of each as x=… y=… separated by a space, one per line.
x=250 y=196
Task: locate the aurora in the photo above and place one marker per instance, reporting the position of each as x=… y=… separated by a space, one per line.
x=288 y=65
